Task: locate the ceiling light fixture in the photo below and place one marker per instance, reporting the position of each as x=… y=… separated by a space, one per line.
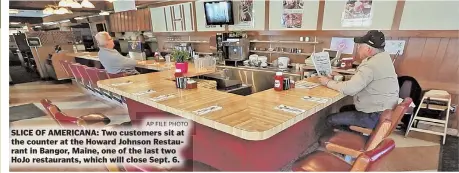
x=79 y=18
x=15 y=23
x=65 y=3
x=87 y=4
x=62 y=11
x=48 y=10
x=75 y=4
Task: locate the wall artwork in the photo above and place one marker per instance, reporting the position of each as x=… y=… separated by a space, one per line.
x=345 y=45
x=245 y=12
x=394 y=46
x=357 y=13
x=292 y=16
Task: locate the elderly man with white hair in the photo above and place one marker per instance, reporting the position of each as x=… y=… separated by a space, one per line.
x=111 y=59
x=374 y=86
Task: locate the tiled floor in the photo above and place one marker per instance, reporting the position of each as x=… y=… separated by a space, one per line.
x=417 y=152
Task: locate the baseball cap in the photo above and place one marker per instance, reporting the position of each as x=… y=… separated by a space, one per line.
x=373 y=38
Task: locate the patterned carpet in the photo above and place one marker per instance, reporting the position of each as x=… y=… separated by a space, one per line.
x=449 y=155
x=417 y=152
x=20 y=75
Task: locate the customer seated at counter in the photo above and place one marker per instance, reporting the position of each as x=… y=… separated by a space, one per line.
x=374 y=87
x=111 y=59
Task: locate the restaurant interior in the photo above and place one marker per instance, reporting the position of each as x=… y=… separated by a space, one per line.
x=247 y=73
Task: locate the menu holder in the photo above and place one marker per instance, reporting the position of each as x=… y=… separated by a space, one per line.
x=289 y=109
x=306 y=85
x=315 y=99
x=322 y=63
x=144 y=92
x=207 y=110
x=162 y=97
x=122 y=83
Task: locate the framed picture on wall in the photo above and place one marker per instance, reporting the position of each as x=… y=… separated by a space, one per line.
x=357 y=13
x=245 y=12
x=292 y=16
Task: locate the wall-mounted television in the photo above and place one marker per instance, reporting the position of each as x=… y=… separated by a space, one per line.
x=219 y=12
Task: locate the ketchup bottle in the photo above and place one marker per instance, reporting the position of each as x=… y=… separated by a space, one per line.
x=278 y=81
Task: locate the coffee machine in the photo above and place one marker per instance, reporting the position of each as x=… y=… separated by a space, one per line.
x=237 y=48
x=233 y=48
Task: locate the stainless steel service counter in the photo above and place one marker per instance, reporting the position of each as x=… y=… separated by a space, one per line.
x=259 y=79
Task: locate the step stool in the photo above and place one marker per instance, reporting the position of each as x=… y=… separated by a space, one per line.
x=436 y=96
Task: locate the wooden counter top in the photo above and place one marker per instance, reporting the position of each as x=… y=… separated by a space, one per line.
x=148 y=64
x=252 y=117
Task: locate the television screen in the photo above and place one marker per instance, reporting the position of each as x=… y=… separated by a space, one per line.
x=219 y=12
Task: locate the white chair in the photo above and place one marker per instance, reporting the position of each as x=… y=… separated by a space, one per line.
x=433 y=95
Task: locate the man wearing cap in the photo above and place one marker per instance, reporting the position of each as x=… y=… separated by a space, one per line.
x=111 y=59
x=374 y=86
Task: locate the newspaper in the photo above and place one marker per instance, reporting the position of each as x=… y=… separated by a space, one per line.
x=306 y=84
x=322 y=63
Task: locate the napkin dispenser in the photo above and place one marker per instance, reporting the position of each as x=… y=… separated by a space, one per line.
x=346 y=63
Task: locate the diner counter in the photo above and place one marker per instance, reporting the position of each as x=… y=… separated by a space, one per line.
x=252 y=117
x=148 y=64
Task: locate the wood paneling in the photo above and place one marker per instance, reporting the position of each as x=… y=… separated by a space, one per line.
x=148 y=20
x=128 y=21
x=398 y=14
x=140 y=20
x=320 y=16
x=132 y=15
x=110 y=18
x=432 y=61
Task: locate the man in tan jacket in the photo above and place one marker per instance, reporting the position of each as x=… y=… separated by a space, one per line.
x=374 y=86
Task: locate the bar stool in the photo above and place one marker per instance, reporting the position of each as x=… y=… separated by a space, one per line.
x=352 y=144
x=68 y=121
x=320 y=161
x=65 y=66
x=93 y=78
x=112 y=76
x=398 y=112
x=437 y=100
x=103 y=75
x=63 y=120
x=84 y=76
x=76 y=74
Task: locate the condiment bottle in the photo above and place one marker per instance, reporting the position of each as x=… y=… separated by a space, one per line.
x=292 y=82
x=278 y=81
x=178 y=75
